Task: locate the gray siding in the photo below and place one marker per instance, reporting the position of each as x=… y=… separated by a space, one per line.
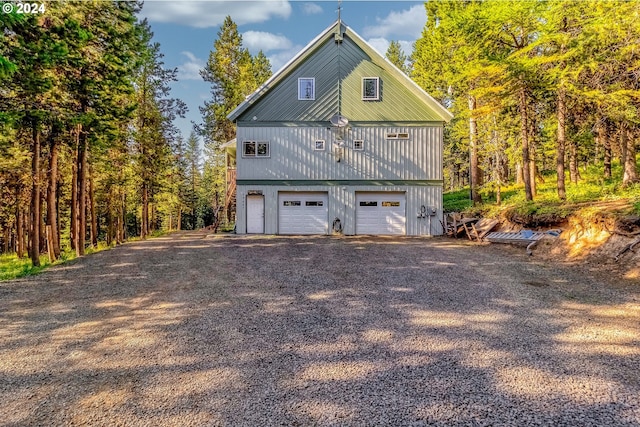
x=293 y=156
x=342 y=205
x=329 y=64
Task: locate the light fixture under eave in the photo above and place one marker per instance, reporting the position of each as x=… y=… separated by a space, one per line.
x=338 y=120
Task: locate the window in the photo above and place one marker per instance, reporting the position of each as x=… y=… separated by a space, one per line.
x=319 y=145
x=306 y=88
x=370 y=88
x=398 y=135
x=291 y=203
x=314 y=203
x=369 y=204
x=390 y=204
x=255 y=149
x=358 y=144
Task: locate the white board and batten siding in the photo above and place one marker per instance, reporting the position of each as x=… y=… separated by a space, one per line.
x=341 y=204
x=293 y=154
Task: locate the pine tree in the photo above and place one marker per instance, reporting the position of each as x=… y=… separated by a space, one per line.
x=233 y=75
x=397 y=57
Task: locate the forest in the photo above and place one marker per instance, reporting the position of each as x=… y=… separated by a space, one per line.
x=539 y=90
x=89 y=154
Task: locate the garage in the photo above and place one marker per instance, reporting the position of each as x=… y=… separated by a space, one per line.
x=303 y=213
x=380 y=213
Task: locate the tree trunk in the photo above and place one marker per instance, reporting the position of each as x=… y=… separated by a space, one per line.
x=94 y=218
x=519 y=175
x=606 y=148
x=524 y=131
x=19 y=230
x=474 y=172
x=533 y=171
x=144 y=228
x=35 y=199
x=561 y=142
x=52 y=197
x=630 y=175
x=82 y=190
x=574 y=173
x=74 y=193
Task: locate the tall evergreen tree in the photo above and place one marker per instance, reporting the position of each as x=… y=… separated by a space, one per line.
x=397 y=57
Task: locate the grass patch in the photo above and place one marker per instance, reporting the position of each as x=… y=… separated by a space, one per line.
x=12 y=267
x=592 y=189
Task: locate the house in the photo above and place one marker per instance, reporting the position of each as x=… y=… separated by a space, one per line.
x=339 y=140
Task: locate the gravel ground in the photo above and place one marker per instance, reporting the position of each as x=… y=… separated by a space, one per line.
x=194 y=330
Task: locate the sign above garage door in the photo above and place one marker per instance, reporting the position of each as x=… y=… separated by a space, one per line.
x=303 y=213
x=380 y=213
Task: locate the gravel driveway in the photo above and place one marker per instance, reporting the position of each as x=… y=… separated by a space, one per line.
x=194 y=330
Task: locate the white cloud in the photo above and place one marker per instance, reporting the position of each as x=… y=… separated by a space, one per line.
x=380 y=44
x=278 y=60
x=260 y=40
x=190 y=70
x=311 y=9
x=406 y=23
x=204 y=14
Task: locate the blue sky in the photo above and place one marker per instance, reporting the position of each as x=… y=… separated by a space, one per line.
x=186 y=31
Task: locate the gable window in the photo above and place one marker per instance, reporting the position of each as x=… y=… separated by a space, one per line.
x=370 y=88
x=306 y=88
x=255 y=149
x=358 y=144
x=319 y=145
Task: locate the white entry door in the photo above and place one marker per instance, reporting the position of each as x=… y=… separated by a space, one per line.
x=303 y=213
x=380 y=213
x=255 y=214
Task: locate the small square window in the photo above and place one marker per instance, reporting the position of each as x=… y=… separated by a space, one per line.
x=319 y=145
x=249 y=149
x=306 y=89
x=263 y=149
x=358 y=144
x=370 y=88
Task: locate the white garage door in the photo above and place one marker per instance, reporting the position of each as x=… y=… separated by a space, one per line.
x=303 y=213
x=380 y=213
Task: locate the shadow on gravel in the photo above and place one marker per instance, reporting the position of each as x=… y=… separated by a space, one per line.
x=260 y=330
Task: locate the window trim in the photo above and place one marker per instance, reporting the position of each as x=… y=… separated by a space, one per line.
x=255 y=155
x=361 y=145
x=324 y=145
x=313 y=89
x=377 y=87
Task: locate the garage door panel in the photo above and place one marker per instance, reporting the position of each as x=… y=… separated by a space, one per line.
x=380 y=213
x=303 y=213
